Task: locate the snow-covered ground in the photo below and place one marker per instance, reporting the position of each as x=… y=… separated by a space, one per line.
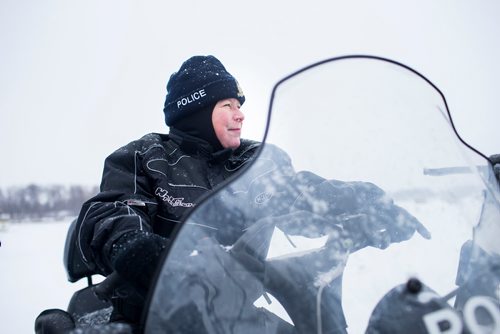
x=33 y=278
x=32 y=275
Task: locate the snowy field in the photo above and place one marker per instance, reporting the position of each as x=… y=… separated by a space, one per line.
x=33 y=277
x=32 y=274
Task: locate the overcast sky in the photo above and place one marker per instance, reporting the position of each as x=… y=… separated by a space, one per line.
x=79 y=79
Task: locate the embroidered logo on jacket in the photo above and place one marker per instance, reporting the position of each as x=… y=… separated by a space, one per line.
x=173 y=201
x=263 y=197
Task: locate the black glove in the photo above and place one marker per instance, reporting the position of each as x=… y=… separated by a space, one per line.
x=377 y=221
x=380 y=226
x=367 y=215
x=135 y=257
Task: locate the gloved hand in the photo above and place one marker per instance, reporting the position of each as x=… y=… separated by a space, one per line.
x=380 y=225
x=368 y=217
x=377 y=221
x=135 y=257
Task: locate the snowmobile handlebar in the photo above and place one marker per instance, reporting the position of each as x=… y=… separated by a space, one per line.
x=493 y=159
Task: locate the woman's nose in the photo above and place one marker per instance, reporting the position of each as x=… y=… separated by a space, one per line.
x=239 y=116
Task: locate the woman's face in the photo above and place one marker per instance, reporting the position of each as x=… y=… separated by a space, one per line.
x=227 y=120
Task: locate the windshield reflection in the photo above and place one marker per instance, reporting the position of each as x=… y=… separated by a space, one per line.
x=340 y=225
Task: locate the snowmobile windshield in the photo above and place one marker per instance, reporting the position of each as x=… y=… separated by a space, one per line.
x=361 y=191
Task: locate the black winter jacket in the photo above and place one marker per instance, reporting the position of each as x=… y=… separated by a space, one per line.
x=151 y=184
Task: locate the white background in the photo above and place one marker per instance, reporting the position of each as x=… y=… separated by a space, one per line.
x=80 y=79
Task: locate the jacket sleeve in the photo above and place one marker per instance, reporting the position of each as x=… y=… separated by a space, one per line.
x=124 y=204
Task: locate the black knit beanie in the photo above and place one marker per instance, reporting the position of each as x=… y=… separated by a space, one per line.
x=200 y=82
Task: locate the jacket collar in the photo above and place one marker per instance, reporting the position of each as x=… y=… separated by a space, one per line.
x=195 y=145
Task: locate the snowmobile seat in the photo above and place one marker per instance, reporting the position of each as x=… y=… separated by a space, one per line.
x=93 y=300
x=73 y=261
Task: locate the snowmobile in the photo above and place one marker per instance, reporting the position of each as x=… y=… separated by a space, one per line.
x=363 y=212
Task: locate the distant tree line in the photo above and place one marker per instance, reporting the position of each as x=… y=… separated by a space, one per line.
x=36 y=202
